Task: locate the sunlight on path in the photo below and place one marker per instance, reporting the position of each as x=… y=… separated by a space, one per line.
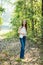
x=4 y=31
x=2 y=37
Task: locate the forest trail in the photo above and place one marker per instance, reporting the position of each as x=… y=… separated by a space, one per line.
x=9 y=51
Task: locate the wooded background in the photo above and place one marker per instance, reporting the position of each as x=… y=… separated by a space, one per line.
x=32 y=12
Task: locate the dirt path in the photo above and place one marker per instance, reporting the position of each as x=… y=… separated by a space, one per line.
x=9 y=51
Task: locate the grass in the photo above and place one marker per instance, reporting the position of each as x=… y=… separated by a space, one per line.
x=18 y=60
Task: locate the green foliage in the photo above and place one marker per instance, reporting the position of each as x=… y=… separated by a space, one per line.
x=1 y=9
x=1 y=20
x=31 y=11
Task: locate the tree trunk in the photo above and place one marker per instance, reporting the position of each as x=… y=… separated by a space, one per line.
x=41 y=45
x=32 y=22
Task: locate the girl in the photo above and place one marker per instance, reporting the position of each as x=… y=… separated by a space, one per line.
x=22 y=35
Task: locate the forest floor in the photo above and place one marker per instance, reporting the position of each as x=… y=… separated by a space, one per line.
x=10 y=50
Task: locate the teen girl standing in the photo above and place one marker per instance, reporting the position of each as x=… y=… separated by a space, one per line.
x=22 y=36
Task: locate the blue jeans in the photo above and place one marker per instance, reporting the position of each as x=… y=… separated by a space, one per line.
x=22 y=40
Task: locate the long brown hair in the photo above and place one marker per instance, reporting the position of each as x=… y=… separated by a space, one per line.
x=25 y=24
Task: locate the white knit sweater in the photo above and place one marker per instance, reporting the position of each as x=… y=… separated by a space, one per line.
x=22 y=30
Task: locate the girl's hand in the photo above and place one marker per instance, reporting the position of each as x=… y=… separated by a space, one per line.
x=22 y=33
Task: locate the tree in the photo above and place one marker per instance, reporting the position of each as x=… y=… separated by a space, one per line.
x=41 y=45
x=42 y=24
x=31 y=11
x=32 y=20
x=1 y=11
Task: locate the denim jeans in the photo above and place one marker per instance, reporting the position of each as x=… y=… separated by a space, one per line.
x=22 y=41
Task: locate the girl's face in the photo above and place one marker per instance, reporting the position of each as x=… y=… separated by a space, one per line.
x=24 y=22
